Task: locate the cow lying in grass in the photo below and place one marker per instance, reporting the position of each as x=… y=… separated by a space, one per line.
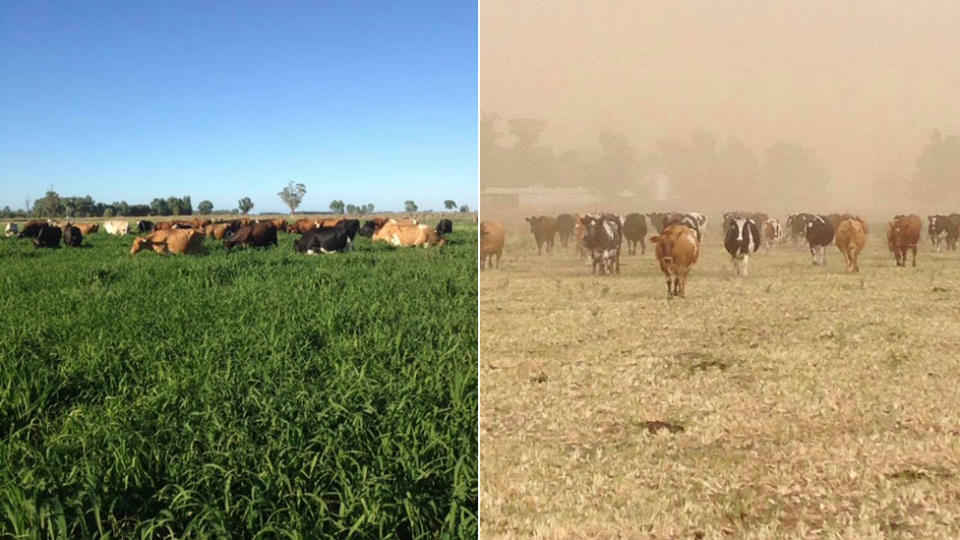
x=185 y=241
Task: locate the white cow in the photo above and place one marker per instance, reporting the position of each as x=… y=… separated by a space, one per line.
x=116 y=227
x=11 y=230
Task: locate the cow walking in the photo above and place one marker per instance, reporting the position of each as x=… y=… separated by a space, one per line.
x=677 y=251
x=492 y=237
x=544 y=230
x=903 y=234
x=603 y=239
x=740 y=236
x=850 y=238
x=635 y=230
x=565 y=226
x=819 y=236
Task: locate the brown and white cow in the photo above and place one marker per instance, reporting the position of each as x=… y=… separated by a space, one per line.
x=544 y=229
x=492 y=238
x=185 y=241
x=850 y=238
x=677 y=251
x=772 y=233
x=903 y=234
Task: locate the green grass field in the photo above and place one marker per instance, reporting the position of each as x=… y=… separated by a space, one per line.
x=256 y=393
x=797 y=402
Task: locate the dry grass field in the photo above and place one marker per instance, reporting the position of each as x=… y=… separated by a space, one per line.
x=798 y=402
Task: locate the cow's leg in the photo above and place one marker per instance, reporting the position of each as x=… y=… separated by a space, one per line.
x=643 y=246
x=746 y=261
x=914 y=257
x=539 y=248
x=498 y=261
x=618 y=260
x=669 y=287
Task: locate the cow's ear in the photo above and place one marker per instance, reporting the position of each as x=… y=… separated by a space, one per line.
x=655 y=239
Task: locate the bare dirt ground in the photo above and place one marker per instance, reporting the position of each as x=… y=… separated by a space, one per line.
x=797 y=402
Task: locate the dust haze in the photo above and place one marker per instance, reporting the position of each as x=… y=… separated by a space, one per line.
x=710 y=106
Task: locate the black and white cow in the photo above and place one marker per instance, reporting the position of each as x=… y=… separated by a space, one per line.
x=11 y=230
x=942 y=230
x=742 y=233
x=324 y=240
x=603 y=238
x=48 y=237
x=819 y=235
x=701 y=221
x=797 y=226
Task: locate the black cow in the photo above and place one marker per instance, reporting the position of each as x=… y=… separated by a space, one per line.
x=32 y=229
x=349 y=226
x=48 y=237
x=144 y=226
x=72 y=236
x=819 y=235
x=635 y=230
x=740 y=234
x=565 y=225
x=604 y=236
x=444 y=227
x=369 y=227
x=324 y=240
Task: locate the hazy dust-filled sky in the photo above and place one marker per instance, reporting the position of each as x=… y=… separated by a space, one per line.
x=863 y=84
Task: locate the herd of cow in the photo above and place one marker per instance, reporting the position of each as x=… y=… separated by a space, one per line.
x=186 y=236
x=600 y=236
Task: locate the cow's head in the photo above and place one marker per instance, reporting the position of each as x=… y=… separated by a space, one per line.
x=139 y=244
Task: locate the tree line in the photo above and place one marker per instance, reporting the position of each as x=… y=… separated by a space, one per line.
x=708 y=171
x=52 y=205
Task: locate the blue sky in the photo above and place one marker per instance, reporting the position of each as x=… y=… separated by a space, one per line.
x=367 y=102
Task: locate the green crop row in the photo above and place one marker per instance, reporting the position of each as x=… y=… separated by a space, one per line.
x=258 y=393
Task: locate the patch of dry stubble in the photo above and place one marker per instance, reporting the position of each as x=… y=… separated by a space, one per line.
x=799 y=401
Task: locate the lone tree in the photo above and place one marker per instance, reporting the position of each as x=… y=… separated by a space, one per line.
x=337 y=206
x=353 y=209
x=292 y=195
x=410 y=206
x=245 y=205
x=464 y=209
x=449 y=204
x=205 y=207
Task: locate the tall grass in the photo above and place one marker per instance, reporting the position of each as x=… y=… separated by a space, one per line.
x=255 y=393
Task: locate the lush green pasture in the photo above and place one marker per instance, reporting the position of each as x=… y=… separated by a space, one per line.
x=236 y=394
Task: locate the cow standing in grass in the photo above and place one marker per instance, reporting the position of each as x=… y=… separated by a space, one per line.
x=741 y=235
x=492 y=238
x=635 y=230
x=819 y=236
x=851 y=236
x=903 y=234
x=604 y=237
x=565 y=226
x=544 y=230
x=677 y=251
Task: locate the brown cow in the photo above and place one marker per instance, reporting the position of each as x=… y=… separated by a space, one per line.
x=903 y=233
x=850 y=238
x=303 y=225
x=677 y=252
x=254 y=234
x=492 y=238
x=87 y=228
x=185 y=241
x=399 y=234
x=218 y=230
x=579 y=233
x=544 y=229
